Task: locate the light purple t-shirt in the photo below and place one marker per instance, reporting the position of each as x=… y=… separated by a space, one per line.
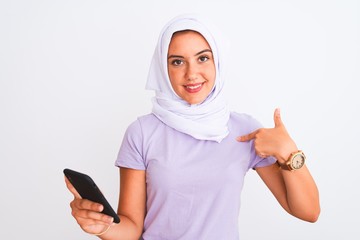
x=193 y=186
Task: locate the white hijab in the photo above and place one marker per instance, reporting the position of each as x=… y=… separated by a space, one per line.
x=205 y=121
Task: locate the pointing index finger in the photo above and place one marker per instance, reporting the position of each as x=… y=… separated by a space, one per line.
x=247 y=137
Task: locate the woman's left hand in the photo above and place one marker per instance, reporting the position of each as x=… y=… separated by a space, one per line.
x=274 y=142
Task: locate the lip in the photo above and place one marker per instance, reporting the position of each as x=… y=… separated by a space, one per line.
x=194 y=87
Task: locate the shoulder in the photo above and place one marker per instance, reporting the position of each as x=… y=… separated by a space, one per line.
x=145 y=124
x=243 y=118
x=148 y=119
x=139 y=129
x=244 y=121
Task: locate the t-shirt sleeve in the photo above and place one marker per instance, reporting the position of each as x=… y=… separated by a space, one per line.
x=261 y=162
x=131 y=152
x=255 y=160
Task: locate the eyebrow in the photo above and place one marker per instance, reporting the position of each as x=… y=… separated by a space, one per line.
x=201 y=52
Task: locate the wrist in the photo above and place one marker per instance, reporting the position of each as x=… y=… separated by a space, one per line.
x=284 y=156
x=287 y=148
x=102 y=233
x=295 y=161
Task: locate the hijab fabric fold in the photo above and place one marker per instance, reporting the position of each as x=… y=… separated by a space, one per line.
x=204 y=121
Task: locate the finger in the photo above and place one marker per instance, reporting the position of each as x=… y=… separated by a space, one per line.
x=277 y=118
x=87 y=205
x=94 y=227
x=261 y=155
x=72 y=189
x=90 y=217
x=247 y=137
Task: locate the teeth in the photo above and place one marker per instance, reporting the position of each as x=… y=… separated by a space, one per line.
x=193 y=87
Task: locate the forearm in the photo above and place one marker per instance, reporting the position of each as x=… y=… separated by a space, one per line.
x=301 y=194
x=125 y=230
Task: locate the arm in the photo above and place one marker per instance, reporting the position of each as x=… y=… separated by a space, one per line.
x=296 y=191
x=131 y=209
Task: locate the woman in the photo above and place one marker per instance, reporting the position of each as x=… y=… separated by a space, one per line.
x=182 y=167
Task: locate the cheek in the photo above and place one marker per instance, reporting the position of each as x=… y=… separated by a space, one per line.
x=171 y=75
x=211 y=74
x=175 y=76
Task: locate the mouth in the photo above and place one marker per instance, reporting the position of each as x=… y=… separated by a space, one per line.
x=193 y=88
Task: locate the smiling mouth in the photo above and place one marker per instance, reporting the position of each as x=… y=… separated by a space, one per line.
x=194 y=88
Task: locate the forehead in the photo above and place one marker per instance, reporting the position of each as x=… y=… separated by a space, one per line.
x=188 y=40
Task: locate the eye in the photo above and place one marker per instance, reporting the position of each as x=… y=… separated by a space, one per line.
x=177 y=62
x=203 y=58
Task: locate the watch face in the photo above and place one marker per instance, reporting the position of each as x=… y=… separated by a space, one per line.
x=298 y=161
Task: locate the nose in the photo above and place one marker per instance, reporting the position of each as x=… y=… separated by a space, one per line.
x=191 y=72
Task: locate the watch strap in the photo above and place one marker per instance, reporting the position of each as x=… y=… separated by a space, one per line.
x=283 y=166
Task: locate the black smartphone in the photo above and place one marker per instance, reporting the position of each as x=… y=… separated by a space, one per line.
x=87 y=189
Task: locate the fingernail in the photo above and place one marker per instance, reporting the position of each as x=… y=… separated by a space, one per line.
x=100 y=207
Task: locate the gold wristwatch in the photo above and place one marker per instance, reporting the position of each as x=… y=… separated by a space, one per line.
x=295 y=161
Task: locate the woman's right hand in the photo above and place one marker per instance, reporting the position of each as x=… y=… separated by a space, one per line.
x=87 y=213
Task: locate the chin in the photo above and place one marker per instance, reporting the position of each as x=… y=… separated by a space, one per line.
x=194 y=101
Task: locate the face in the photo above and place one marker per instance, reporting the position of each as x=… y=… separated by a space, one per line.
x=191 y=66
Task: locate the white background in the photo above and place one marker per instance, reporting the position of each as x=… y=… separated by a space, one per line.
x=72 y=76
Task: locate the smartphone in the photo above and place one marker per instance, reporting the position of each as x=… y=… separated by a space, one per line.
x=87 y=189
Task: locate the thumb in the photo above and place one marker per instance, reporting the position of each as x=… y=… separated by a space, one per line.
x=71 y=188
x=277 y=118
